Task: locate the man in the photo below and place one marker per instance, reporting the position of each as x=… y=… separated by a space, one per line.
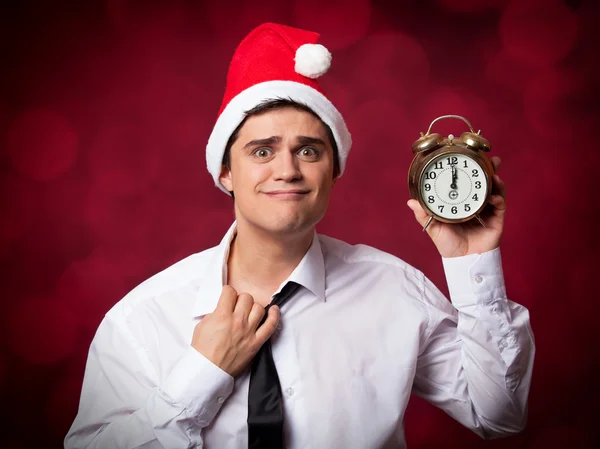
x=181 y=360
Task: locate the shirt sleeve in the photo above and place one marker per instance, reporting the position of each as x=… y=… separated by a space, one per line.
x=477 y=358
x=122 y=406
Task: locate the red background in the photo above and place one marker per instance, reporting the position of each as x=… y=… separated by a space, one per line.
x=105 y=110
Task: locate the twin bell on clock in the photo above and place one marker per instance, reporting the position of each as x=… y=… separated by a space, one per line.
x=451 y=177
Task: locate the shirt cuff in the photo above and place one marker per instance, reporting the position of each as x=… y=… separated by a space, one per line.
x=199 y=385
x=476 y=278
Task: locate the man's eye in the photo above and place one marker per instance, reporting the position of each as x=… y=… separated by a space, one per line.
x=308 y=151
x=262 y=152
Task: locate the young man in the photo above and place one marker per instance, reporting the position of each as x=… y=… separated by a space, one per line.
x=190 y=358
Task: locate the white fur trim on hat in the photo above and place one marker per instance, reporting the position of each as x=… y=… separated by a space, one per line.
x=234 y=114
x=312 y=60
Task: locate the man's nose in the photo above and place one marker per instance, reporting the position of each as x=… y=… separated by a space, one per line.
x=287 y=166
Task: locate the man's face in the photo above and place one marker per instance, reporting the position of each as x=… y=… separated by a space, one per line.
x=281 y=171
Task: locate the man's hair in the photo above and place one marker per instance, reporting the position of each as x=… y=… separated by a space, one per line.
x=272 y=105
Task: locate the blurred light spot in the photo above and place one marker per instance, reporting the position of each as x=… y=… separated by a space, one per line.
x=120 y=220
x=471 y=5
x=41 y=144
x=538 y=33
x=90 y=287
x=340 y=23
x=383 y=134
x=123 y=160
x=337 y=93
x=42 y=330
x=375 y=124
x=557 y=105
x=444 y=100
x=18 y=208
x=231 y=20
x=392 y=66
x=505 y=71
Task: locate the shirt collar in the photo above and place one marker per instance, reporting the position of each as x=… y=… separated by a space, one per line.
x=310 y=273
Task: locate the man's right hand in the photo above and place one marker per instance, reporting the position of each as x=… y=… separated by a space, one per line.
x=229 y=337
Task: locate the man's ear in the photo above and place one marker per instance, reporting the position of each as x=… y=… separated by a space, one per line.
x=225 y=178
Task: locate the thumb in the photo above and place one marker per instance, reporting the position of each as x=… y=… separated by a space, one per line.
x=420 y=214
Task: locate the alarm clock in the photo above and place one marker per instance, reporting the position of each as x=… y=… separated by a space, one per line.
x=451 y=177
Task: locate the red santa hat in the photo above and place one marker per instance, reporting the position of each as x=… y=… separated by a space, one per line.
x=275 y=61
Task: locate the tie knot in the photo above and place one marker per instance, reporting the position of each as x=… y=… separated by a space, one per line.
x=285 y=294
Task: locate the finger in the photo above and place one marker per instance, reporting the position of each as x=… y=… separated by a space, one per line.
x=420 y=214
x=244 y=304
x=499 y=186
x=268 y=327
x=495 y=162
x=498 y=202
x=227 y=299
x=256 y=315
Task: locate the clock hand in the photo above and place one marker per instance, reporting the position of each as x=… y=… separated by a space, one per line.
x=454 y=176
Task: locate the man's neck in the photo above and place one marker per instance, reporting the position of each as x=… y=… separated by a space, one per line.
x=262 y=260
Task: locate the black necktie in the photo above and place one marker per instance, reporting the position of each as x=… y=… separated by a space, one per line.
x=265 y=409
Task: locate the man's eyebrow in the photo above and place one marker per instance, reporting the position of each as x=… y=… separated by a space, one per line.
x=268 y=141
x=306 y=140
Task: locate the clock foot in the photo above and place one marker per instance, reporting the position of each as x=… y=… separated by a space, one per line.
x=428 y=222
x=480 y=221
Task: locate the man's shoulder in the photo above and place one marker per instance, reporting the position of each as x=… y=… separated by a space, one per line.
x=362 y=254
x=176 y=277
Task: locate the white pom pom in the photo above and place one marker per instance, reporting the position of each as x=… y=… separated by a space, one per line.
x=312 y=60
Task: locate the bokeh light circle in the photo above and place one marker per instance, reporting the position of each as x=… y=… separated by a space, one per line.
x=41 y=144
x=18 y=209
x=124 y=159
x=557 y=105
x=90 y=287
x=231 y=20
x=340 y=22
x=42 y=330
x=471 y=5
x=538 y=33
x=503 y=70
x=392 y=65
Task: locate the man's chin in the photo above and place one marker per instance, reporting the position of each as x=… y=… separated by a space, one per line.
x=288 y=227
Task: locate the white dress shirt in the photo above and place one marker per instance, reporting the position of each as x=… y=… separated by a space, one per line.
x=366 y=330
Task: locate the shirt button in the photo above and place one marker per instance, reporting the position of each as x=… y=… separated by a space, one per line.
x=220 y=399
x=278 y=326
x=289 y=391
x=479 y=279
x=502 y=343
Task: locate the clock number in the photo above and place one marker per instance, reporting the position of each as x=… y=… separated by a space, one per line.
x=475 y=173
x=475 y=197
x=478 y=184
x=466 y=166
x=467 y=208
x=441 y=207
x=452 y=160
x=427 y=187
x=454 y=209
x=430 y=199
x=430 y=175
x=438 y=165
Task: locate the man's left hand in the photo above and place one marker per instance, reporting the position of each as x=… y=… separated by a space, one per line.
x=455 y=240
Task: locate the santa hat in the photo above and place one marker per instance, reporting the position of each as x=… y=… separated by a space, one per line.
x=274 y=61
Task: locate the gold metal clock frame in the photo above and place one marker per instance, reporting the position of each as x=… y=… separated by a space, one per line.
x=433 y=145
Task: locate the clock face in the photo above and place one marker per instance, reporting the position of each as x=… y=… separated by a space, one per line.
x=453 y=186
